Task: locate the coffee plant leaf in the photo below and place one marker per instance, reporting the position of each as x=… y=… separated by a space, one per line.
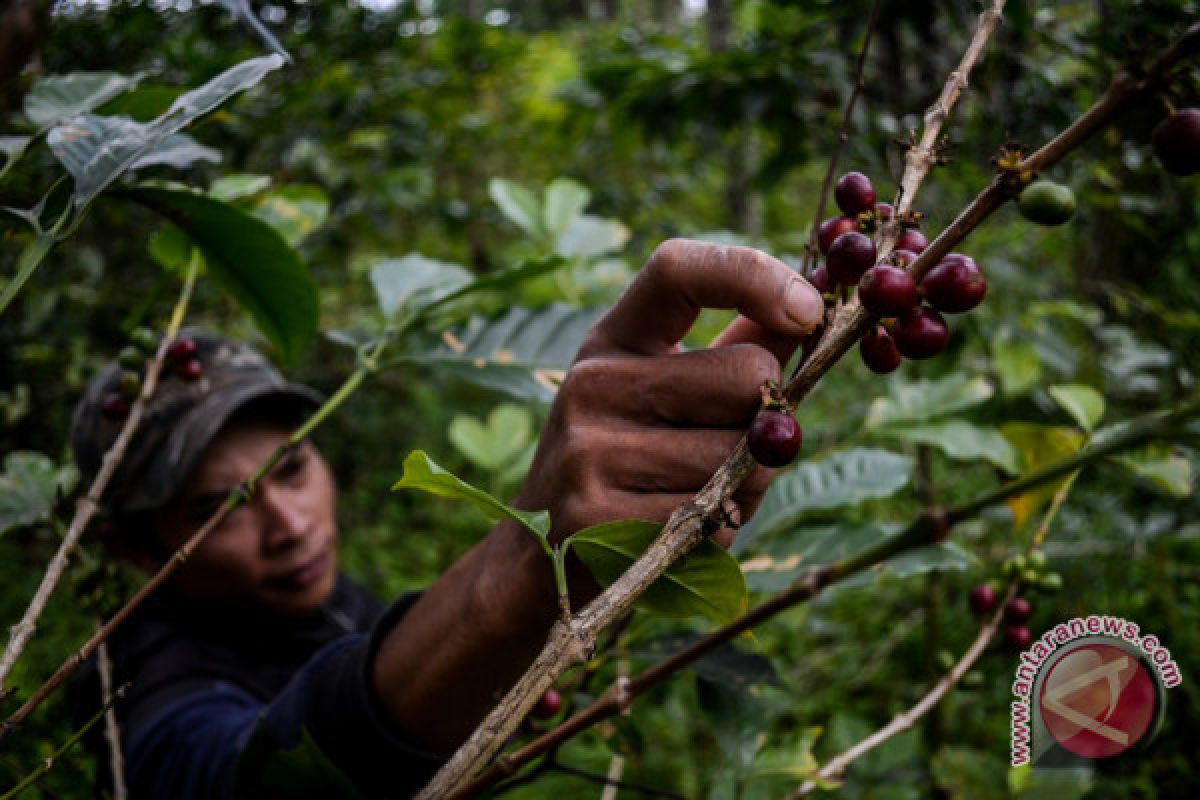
x=841 y=479
x=248 y=259
x=706 y=582
x=1083 y=403
x=57 y=98
x=918 y=401
x=424 y=474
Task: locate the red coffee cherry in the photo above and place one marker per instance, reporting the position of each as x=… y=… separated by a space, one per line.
x=854 y=193
x=982 y=599
x=1017 y=610
x=182 y=350
x=1177 y=142
x=190 y=370
x=851 y=255
x=549 y=705
x=774 y=438
x=115 y=406
x=1017 y=637
x=920 y=333
x=884 y=212
x=820 y=280
x=878 y=351
x=829 y=230
x=887 y=291
x=912 y=240
x=955 y=285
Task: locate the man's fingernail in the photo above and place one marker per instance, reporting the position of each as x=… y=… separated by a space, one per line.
x=803 y=304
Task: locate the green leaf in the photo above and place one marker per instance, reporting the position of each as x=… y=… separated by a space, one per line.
x=98 y=150
x=143 y=103
x=1037 y=445
x=57 y=98
x=706 y=581
x=919 y=561
x=228 y=188
x=421 y=473
x=588 y=237
x=13 y=146
x=170 y=248
x=564 y=201
x=1083 y=403
x=960 y=440
x=844 y=478
x=414 y=281
x=29 y=486
x=523 y=353
x=784 y=558
x=518 y=204
x=495 y=443
x=295 y=211
x=1163 y=468
x=923 y=400
x=248 y=259
x=1017 y=364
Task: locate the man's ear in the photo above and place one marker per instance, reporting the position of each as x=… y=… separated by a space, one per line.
x=131 y=542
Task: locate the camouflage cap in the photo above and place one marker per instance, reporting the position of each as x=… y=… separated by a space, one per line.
x=179 y=422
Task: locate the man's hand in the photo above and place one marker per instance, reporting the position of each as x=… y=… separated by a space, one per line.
x=639 y=426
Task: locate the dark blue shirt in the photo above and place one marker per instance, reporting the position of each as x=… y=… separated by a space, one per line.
x=217 y=703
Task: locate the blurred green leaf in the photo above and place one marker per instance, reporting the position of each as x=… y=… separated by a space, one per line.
x=422 y=474
x=523 y=353
x=409 y=283
x=922 y=400
x=518 y=204
x=494 y=443
x=248 y=259
x=564 y=202
x=170 y=248
x=588 y=236
x=295 y=211
x=1037 y=445
x=1163 y=468
x=29 y=485
x=844 y=478
x=707 y=581
x=97 y=150
x=57 y=98
x=229 y=188
x=960 y=440
x=1083 y=403
x=1017 y=364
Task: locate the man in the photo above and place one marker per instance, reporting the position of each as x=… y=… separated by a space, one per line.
x=258 y=642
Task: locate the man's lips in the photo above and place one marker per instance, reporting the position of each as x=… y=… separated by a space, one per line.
x=304 y=574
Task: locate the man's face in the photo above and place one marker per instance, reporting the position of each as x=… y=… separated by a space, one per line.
x=275 y=553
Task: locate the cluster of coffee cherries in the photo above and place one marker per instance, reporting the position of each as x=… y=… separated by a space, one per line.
x=912 y=325
x=982 y=599
x=1031 y=573
x=181 y=357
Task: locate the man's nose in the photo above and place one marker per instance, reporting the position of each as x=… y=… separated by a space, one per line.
x=285 y=521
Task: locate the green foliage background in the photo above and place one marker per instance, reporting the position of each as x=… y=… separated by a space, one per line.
x=400 y=121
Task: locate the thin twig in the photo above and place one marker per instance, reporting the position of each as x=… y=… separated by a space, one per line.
x=15 y=767
x=112 y=734
x=834 y=768
x=49 y=762
x=924 y=530
x=843 y=135
x=87 y=506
